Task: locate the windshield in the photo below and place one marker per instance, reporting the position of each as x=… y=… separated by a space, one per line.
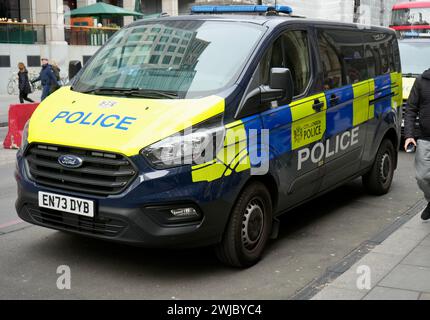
x=411 y=17
x=414 y=56
x=185 y=59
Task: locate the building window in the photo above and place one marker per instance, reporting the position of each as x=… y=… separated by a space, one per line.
x=159 y=47
x=166 y=59
x=33 y=61
x=4 y=61
x=154 y=59
x=85 y=59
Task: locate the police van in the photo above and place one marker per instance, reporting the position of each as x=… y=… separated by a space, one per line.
x=201 y=130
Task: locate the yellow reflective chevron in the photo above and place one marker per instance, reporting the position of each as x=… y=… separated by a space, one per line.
x=371 y=97
x=155 y=119
x=308 y=124
x=232 y=157
x=396 y=87
x=361 y=103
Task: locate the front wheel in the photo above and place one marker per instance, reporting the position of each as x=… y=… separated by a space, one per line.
x=248 y=229
x=378 y=180
x=11 y=87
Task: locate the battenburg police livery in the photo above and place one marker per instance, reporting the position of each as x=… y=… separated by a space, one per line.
x=201 y=130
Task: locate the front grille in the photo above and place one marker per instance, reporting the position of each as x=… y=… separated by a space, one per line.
x=73 y=222
x=101 y=173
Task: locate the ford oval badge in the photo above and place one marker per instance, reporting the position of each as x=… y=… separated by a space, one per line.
x=70 y=161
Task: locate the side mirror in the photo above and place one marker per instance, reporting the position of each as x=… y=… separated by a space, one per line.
x=281 y=85
x=280 y=88
x=74 y=67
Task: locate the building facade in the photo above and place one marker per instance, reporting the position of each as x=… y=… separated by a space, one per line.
x=47 y=32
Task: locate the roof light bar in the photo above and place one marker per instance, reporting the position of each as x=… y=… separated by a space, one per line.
x=241 y=9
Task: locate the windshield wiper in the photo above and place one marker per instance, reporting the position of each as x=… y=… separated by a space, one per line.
x=135 y=92
x=154 y=94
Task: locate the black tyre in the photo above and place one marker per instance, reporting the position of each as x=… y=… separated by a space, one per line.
x=248 y=229
x=378 y=180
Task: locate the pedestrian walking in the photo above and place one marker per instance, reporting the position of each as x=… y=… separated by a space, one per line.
x=56 y=69
x=47 y=77
x=419 y=104
x=23 y=83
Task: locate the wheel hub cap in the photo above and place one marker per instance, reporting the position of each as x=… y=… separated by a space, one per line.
x=385 y=167
x=252 y=226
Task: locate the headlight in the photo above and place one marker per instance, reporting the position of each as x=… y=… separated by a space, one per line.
x=187 y=148
x=24 y=137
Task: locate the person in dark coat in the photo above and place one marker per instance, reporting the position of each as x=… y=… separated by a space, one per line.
x=419 y=104
x=23 y=83
x=47 y=77
x=56 y=69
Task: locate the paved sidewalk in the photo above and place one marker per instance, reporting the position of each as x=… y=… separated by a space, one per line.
x=399 y=268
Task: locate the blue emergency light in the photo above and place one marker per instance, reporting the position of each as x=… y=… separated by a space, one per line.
x=241 y=9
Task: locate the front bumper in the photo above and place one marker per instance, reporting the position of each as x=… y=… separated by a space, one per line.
x=135 y=216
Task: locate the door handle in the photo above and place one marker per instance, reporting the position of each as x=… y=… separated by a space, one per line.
x=317 y=106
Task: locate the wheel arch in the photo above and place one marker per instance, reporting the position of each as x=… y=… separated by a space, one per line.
x=391 y=134
x=270 y=183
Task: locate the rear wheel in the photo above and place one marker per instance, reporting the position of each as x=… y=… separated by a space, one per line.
x=378 y=180
x=248 y=229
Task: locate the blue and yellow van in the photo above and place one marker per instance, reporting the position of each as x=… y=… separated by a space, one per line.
x=201 y=130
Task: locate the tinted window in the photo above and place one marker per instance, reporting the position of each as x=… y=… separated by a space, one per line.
x=297 y=59
x=272 y=59
x=382 y=52
x=331 y=63
x=350 y=50
x=289 y=51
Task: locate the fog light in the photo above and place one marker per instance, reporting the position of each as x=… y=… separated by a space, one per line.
x=184 y=212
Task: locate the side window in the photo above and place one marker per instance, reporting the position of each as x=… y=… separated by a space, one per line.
x=396 y=51
x=387 y=54
x=297 y=59
x=383 y=52
x=291 y=51
x=331 y=63
x=273 y=58
x=349 y=46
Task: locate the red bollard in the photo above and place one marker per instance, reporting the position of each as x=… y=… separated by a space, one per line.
x=18 y=116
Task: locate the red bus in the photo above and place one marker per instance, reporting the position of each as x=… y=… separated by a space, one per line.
x=411 y=16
